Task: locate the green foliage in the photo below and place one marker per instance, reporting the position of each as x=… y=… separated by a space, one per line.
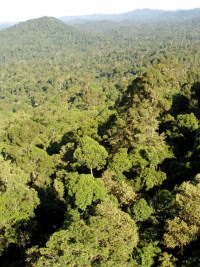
x=167 y=260
x=184 y=228
x=146 y=254
x=121 y=190
x=24 y=144
x=121 y=100
x=60 y=190
x=17 y=204
x=89 y=153
x=187 y=123
x=149 y=178
x=108 y=239
x=179 y=233
x=188 y=199
x=164 y=202
x=89 y=129
x=141 y=210
x=120 y=163
x=25 y=132
x=135 y=126
x=85 y=189
x=35 y=162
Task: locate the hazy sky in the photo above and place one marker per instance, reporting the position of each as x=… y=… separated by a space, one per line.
x=19 y=10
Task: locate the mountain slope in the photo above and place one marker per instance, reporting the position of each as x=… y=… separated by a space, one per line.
x=44 y=38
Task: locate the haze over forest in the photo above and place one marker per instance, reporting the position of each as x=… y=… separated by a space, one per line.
x=100 y=140
x=135 y=15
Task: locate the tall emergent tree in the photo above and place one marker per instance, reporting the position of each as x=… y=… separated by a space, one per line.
x=90 y=154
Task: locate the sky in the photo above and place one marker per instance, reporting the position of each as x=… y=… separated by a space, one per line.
x=21 y=10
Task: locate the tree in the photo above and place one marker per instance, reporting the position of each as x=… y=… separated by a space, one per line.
x=120 y=163
x=141 y=210
x=107 y=240
x=121 y=190
x=188 y=200
x=84 y=189
x=17 y=204
x=89 y=153
x=179 y=233
x=24 y=143
x=135 y=127
x=145 y=255
x=184 y=228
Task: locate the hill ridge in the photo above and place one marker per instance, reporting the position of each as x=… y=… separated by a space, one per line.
x=139 y=14
x=142 y=14
x=42 y=38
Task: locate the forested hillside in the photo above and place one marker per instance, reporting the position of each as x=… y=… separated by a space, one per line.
x=100 y=143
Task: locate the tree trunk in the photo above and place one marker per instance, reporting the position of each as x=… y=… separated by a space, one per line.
x=91 y=171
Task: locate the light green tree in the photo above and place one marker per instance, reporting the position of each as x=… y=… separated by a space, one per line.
x=84 y=189
x=90 y=154
x=107 y=240
x=179 y=233
x=121 y=190
x=17 y=204
x=184 y=228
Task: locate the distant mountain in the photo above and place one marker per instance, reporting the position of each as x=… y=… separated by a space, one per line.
x=94 y=17
x=136 y=15
x=50 y=40
x=5 y=25
x=44 y=38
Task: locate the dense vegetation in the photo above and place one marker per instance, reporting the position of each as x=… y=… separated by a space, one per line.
x=100 y=144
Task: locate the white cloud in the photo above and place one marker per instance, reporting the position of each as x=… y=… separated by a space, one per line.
x=17 y=10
